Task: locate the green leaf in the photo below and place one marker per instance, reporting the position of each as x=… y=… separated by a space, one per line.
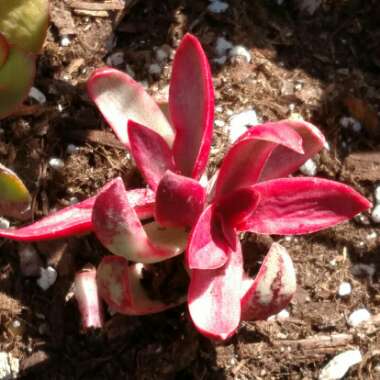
x=16 y=77
x=14 y=196
x=4 y=50
x=24 y=22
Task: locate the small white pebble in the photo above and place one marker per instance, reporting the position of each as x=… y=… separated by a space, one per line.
x=377 y=194
x=37 y=95
x=283 y=314
x=246 y=118
x=47 y=278
x=238 y=124
x=221 y=60
x=346 y=121
x=372 y=235
x=4 y=223
x=115 y=59
x=219 y=109
x=356 y=127
x=338 y=366
x=218 y=7
x=73 y=200
x=309 y=168
x=375 y=214
x=56 y=163
x=71 y=148
x=65 y=41
x=222 y=46
x=219 y=123
x=292 y=107
x=298 y=86
x=154 y=69
x=344 y=289
x=358 y=317
x=161 y=55
x=60 y=107
x=241 y=51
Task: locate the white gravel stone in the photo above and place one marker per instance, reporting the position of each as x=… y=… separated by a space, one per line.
x=375 y=214
x=241 y=51
x=56 y=163
x=222 y=46
x=219 y=123
x=47 y=278
x=37 y=95
x=9 y=366
x=218 y=7
x=238 y=124
x=358 y=317
x=377 y=194
x=71 y=148
x=4 y=223
x=344 y=289
x=115 y=59
x=337 y=367
x=309 y=168
x=65 y=41
x=280 y=316
x=154 y=69
x=346 y=121
x=161 y=55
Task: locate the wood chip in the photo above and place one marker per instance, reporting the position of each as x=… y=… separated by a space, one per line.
x=114 y=5
x=84 y=12
x=364 y=166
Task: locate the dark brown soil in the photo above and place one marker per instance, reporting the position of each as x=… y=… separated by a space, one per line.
x=326 y=66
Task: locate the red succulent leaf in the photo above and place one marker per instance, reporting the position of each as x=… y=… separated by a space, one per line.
x=214 y=297
x=117 y=226
x=4 y=50
x=294 y=206
x=76 y=219
x=208 y=247
x=151 y=152
x=284 y=161
x=119 y=284
x=86 y=294
x=237 y=206
x=120 y=98
x=179 y=200
x=191 y=105
x=273 y=287
x=244 y=162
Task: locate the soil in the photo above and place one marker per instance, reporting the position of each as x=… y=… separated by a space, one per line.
x=323 y=67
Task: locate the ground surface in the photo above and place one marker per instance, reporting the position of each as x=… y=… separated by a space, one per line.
x=325 y=67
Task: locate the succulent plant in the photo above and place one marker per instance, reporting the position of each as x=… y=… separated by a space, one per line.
x=252 y=192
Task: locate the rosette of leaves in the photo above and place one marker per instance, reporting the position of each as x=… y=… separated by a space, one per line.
x=23 y=25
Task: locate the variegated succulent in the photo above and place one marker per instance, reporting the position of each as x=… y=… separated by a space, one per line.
x=252 y=192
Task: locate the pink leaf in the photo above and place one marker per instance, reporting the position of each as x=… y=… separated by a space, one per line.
x=179 y=200
x=294 y=206
x=207 y=247
x=191 y=105
x=86 y=294
x=238 y=205
x=214 y=297
x=151 y=153
x=273 y=287
x=284 y=161
x=119 y=284
x=120 y=98
x=119 y=229
x=244 y=162
x=76 y=219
